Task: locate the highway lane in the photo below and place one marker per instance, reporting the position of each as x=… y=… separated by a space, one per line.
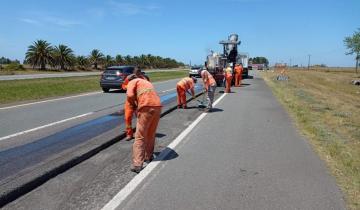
x=14 y=120
x=245 y=155
x=67 y=74
x=92 y=183
x=248 y=155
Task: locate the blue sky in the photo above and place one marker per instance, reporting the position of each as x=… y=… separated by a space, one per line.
x=185 y=30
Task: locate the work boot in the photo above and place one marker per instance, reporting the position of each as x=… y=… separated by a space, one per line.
x=135 y=169
x=178 y=106
x=128 y=138
x=148 y=161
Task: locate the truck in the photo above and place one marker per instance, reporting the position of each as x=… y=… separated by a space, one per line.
x=216 y=62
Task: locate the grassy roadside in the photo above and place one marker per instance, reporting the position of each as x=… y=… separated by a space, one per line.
x=326 y=109
x=35 y=89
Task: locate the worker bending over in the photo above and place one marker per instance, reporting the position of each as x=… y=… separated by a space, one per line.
x=228 y=74
x=238 y=74
x=183 y=86
x=210 y=87
x=128 y=109
x=142 y=96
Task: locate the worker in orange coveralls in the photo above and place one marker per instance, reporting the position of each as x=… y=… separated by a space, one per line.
x=238 y=74
x=183 y=86
x=141 y=95
x=210 y=87
x=128 y=110
x=228 y=74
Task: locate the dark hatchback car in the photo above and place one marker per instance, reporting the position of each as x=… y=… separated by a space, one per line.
x=113 y=77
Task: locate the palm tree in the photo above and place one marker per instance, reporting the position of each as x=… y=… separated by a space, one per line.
x=128 y=60
x=39 y=54
x=82 y=62
x=109 y=61
x=96 y=57
x=63 y=56
x=119 y=60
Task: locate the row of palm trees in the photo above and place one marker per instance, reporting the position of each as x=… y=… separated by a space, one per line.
x=42 y=55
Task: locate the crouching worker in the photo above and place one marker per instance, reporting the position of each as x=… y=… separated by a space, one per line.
x=142 y=95
x=128 y=109
x=182 y=87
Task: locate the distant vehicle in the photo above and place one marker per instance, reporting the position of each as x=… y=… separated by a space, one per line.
x=113 y=77
x=194 y=71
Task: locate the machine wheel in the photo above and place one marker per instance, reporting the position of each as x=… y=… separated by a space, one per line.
x=106 y=90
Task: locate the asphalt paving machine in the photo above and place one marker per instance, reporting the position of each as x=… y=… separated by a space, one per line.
x=216 y=62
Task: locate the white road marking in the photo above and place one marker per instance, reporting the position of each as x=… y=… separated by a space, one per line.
x=45 y=126
x=164 y=91
x=51 y=100
x=136 y=181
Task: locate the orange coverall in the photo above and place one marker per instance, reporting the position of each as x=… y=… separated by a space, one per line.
x=228 y=76
x=129 y=110
x=238 y=75
x=181 y=87
x=210 y=87
x=141 y=94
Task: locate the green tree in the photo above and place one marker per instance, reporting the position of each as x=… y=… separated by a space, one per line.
x=82 y=62
x=353 y=44
x=63 y=56
x=259 y=60
x=109 y=61
x=96 y=57
x=119 y=60
x=39 y=54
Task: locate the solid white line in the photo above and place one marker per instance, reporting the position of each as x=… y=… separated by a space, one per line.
x=164 y=91
x=44 y=126
x=136 y=181
x=51 y=100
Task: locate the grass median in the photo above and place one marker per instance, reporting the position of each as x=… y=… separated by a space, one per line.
x=326 y=108
x=34 y=89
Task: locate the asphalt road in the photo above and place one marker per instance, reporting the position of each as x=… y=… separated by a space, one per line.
x=245 y=155
x=68 y=74
x=91 y=184
x=17 y=119
x=248 y=155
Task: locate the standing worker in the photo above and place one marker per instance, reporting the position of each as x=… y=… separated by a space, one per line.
x=238 y=74
x=210 y=87
x=128 y=109
x=142 y=95
x=228 y=74
x=183 y=86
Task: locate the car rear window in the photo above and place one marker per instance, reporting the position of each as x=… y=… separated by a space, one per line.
x=126 y=70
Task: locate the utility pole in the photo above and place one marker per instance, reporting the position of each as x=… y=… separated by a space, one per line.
x=309 y=62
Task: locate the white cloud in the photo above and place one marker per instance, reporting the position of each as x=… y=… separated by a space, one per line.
x=30 y=21
x=126 y=8
x=61 y=22
x=50 y=20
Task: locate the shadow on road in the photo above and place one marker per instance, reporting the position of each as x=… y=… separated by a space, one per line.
x=171 y=154
x=216 y=110
x=159 y=135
